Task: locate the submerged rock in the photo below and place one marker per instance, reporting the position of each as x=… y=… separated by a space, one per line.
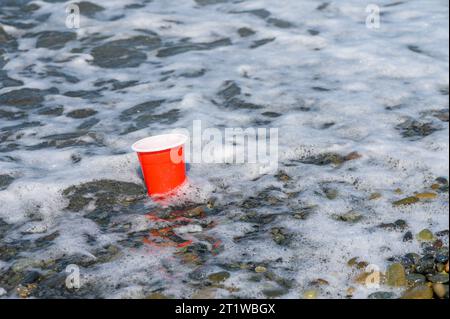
x=51 y=111
x=26 y=98
x=125 y=53
x=187 y=47
x=89 y=9
x=350 y=217
x=106 y=193
x=282 y=24
x=143 y=108
x=330 y=193
x=5 y=181
x=219 y=277
x=12 y=116
x=280 y=237
x=81 y=113
x=246 y=32
x=330 y=159
x=54 y=40
x=415 y=129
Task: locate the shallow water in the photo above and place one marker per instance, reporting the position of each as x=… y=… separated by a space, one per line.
x=73 y=101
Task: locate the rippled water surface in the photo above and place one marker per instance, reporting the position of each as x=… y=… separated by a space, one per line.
x=363 y=124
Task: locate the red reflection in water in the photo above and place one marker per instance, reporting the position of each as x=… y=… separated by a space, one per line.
x=166 y=236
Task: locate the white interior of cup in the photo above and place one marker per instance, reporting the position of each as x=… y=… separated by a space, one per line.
x=159 y=143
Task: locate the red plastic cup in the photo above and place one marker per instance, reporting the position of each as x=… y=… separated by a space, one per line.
x=162 y=162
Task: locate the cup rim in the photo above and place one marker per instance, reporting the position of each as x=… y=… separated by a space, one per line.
x=160 y=143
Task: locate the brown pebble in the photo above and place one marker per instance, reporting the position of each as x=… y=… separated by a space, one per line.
x=439 y=290
x=435 y=186
x=419 y=292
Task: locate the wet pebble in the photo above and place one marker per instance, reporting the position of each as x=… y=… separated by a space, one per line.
x=425 y=265
x=440 y=290
x=426 y=195
x=260 y=269
x=350 y=217
x=425 y=235
x=219 y=277
x=419 y=292
x=406 y=201
x=439 y=278
x=396 y=276
x=279 y=236
x=415 y=279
